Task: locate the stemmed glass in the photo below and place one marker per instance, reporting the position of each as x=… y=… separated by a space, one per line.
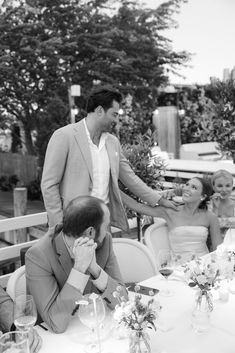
x=25 y=312
x=166 y=267
x=91 y=313
x=15 y=341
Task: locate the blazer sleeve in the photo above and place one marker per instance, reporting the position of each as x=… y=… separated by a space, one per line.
x=135 y=184
x=54 y=304
x=6 y=311
x=114 y=277
x=53 y=170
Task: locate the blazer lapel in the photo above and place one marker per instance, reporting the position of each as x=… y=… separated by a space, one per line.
x=82 y=141
x=63 y=254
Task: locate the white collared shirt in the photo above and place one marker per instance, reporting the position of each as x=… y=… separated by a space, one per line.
x=100 y=167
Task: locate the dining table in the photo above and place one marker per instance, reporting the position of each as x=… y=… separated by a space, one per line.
x=176 y=335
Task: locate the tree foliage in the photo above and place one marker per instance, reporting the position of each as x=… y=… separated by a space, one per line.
x=46 y=45
x=223 y=95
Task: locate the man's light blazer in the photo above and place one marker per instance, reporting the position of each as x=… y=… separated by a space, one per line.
x=67 y=173
x=48 y=265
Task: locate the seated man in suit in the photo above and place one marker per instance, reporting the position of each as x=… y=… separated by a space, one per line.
x=6 y=321
x=74 y=259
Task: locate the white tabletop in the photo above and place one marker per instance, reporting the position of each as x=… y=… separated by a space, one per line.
x=176 y=312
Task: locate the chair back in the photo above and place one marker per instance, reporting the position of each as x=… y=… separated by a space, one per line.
x=135 y=260
x=156 y=237
x=16 y=284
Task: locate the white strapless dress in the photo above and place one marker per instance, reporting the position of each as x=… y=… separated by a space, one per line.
x=189 y=240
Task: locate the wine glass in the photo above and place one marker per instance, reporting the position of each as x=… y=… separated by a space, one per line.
x=15 y=341
x=166 y=267
x=25 y=312
x=91 y=313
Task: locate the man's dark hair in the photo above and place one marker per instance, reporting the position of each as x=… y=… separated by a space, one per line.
x=104 y=97
x=81 y=213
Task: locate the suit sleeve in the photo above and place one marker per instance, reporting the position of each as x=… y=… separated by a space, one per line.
x=6 y=311
x=53 y=170
x=55 y=305
x=135 y=184
x=114 y=277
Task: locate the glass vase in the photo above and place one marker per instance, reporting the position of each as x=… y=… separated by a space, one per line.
x=202 y=311
x=139 y=342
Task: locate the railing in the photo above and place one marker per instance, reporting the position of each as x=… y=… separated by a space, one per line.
x=186 y=169
x=12 y=252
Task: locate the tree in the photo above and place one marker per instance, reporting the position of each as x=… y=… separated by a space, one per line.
x=197 y=121
x=47 y=45
x=223 y=94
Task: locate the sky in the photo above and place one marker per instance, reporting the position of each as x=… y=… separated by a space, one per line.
x=206 y=29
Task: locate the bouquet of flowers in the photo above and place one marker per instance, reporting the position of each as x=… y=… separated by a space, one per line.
x=137 y=316
x=203 y=273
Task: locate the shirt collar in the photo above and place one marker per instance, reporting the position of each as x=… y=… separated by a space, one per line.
x=103 y=136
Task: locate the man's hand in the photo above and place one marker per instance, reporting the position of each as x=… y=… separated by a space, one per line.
x=35 y=341
x=94 y=269
x=168 y=203
x=83 y=250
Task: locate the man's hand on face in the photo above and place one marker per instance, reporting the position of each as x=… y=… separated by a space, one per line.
x=35 y=341
x=83 y=250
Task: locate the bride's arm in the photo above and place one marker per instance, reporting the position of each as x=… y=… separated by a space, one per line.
x=142 y=208
x=214 y=229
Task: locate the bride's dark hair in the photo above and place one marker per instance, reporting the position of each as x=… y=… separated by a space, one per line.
x=207 y=191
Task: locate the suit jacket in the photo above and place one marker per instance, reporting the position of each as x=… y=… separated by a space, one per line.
x=48 y=265
x=6 y=311
x=67 y=173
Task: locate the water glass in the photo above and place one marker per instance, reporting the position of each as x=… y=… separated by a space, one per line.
x=25 y=312
x=14 y=342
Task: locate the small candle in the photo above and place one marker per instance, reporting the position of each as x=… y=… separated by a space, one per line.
x=223 y=294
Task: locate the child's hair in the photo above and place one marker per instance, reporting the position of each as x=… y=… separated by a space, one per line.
x=221 y=173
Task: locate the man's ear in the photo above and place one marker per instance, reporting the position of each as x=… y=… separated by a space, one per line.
x=99 y=110
x=90 y=232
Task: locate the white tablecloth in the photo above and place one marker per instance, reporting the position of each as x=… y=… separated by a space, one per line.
x=176 y=312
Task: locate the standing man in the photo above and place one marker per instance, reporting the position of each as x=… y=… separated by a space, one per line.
x=85 y=159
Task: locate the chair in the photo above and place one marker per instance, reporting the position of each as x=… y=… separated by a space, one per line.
x=16 y=284
x=156 y=237
x=135 y=260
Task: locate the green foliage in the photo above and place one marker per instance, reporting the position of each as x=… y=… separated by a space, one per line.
x=197 y=122
x=148 y=168
x=7 y=183
x=223 y=94
x=34 y=190
x=47 y=45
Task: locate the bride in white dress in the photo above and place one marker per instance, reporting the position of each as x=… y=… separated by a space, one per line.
x=192 y=225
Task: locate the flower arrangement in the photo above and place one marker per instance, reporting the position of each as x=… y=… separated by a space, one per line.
x=137 y=316
x=203 y=273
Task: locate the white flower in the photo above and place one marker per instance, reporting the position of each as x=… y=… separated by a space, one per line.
x=118 y=314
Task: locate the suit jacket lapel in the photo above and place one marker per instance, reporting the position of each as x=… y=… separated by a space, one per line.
x=63 y=254
x=82 y=141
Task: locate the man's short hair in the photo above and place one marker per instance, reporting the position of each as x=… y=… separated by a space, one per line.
x=81 y=213
x=104 y=97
